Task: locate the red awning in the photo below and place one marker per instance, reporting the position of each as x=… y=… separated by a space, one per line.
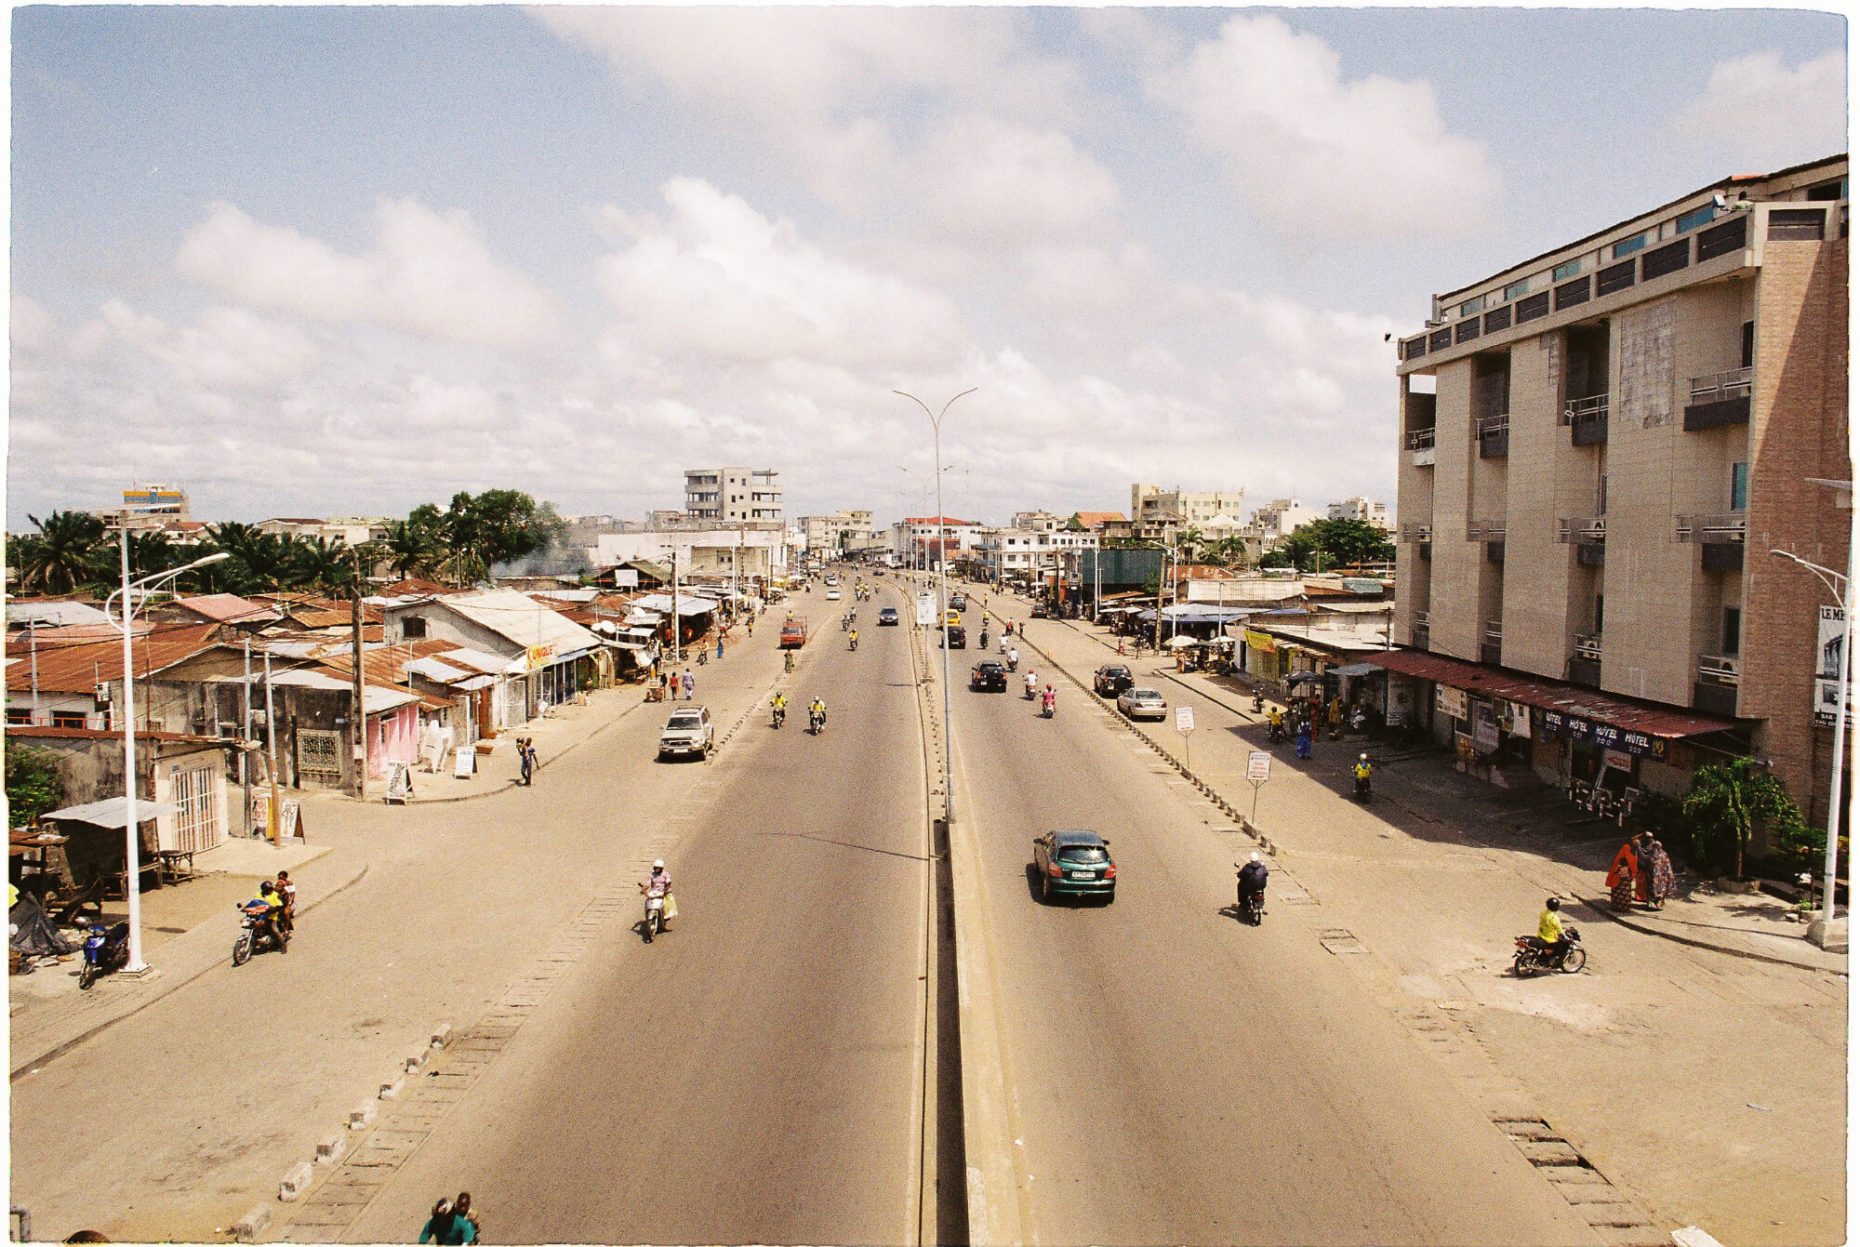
x=1570 y=699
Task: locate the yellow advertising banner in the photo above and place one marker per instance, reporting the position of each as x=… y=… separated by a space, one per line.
x=538 y=656
x=1260 y=641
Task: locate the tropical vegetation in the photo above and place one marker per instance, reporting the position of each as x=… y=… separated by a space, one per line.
x=1729 y=803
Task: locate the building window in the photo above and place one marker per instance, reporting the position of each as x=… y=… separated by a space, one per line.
x=1749 y=357
x=1628 y=246
x=413 y=628
x=1569 y=268
x=19 y=715
x=1740 y=485
x=1695 y=218
x=1598 y=612
x=67 y=718
x=1472 y=305
x=1733 y=630
x=1517 y=288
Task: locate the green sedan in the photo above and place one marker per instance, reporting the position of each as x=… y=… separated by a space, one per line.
x=1074 y=863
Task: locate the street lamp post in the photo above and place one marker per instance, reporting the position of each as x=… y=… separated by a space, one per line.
x=133 y=831
x=942 y=581
x=1842 y=589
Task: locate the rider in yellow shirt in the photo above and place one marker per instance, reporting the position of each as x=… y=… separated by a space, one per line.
x=1550 y=928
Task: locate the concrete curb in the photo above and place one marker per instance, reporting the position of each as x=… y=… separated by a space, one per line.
x=1602 y=908
x=169 y=982
x=540 y=764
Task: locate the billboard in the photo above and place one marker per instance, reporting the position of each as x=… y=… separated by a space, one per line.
x=1830 y=641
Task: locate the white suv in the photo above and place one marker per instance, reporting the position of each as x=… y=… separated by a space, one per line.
x=689 y=731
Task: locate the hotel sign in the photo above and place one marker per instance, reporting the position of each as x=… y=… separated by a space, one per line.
x=1556 y=725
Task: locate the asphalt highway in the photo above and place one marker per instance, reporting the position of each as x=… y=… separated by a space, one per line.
x=755 y=1074
x=1177 y=1077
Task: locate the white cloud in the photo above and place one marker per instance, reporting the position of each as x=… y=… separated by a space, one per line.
x=716 y=279
x=1312 y=152
x=430 y=274
x=1756 y=110
x=230 y=349
x=1000 y=184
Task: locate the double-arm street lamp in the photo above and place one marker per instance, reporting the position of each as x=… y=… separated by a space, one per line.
x=1842 y=589
x=133 y=832
x=942 y=581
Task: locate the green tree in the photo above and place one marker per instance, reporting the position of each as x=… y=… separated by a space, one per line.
x=412 y=546
x=1726 y=805
x=323 y=564
x=66 y=553
x=1346 y=542
x=496 y=526
x=34 y=785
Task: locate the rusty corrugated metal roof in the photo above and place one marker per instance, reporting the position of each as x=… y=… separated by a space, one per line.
x=78 y=668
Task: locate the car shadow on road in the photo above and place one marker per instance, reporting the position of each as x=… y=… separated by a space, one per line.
x=847 y=844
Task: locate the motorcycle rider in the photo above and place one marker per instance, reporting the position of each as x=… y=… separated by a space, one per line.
x=1362 y=771
x=853 y=640
x=1550 y=932
x=1033 y=684
x=1253 y=877
x=817 y=713
x=1013 y=657
x=779 y=707
x=659 y=884
x=1049 y=700
x=267 y=907
x=1275 y=723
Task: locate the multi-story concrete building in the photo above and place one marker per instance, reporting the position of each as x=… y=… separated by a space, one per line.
x=1600 y=448
x=732 y=494
x=919 y=541
x=826 y=536
x=1159 y=513
x=1027 y=555
x=1276 y=520
x=1365 y=509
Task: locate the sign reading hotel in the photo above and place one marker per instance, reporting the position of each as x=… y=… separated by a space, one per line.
x=1603 y=735
x=1830 y=640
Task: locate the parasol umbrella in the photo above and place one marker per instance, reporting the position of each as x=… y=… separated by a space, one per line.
x=1302 y=677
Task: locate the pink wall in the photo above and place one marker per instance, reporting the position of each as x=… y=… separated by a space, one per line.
x=393 y=737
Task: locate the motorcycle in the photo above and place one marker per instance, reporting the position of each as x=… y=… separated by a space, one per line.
x=1047 y=705
x=845 y=622
x=105 y=952
x=984 y=639
x=816 y=722
x=257 y=936
x=1251 y=906
x=1259 y=702
x=776 y=716
x=1275 y=732
x=1030 y=690
x=1362 y=789
x=655 y=914
x=1534 y=955
x=852 y=643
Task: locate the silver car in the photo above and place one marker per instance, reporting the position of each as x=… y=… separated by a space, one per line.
x=689 y=731
x=1142 y=703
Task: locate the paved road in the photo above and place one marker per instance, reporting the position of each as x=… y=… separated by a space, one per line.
x=176 y=1120
x=1180 y=1078
x=754 y=1075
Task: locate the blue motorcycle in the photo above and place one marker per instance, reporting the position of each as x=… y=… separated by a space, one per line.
x=105 y=952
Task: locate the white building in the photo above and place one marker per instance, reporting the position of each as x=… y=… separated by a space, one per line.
x=1159 y=512
x=1365 y=509
x=1021 y=554
x=827 y=536
x=1276 y=520
x=731 y=495
x=915 y=539
x=742 y=551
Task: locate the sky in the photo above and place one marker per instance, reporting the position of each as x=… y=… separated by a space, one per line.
x=345 y=260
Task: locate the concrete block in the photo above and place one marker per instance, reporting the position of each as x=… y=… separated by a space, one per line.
x=442 y=1035
x=252 y=1226
x=330 y=1148
x=392 y=1090
x=363 y=1117
x=297 y=1180
x=414 y=1062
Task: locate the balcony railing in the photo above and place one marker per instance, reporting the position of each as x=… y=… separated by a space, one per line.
x=1582 y=530
x=1421 y=439
x=1587 y=419
x=1728 y=527
x=1494 y=631
x=1719 y=669
x=1485 y=530
x=1716 y=386
x=1417 y=534
x=1589 y=646
x=1420 y=619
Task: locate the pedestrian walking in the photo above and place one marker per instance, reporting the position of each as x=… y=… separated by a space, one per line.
x=446 y=1227
x=523 y=760
x=719 y=648
x=1304 y=739
x=690 y=683
x=1624 y=877
x=526 y=752
x=1657 y=867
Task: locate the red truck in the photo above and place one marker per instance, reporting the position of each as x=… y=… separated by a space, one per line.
x=793 y=634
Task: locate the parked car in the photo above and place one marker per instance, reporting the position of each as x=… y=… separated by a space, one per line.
x=833 y=594
x=1112 y=679
x=689 y=731
x=1042 y=611
x=1074 y=863
x=958 y=602
x=887 y=616
x=988 y=677
x=955 y=638
x=793 y=634
x=1142 y=703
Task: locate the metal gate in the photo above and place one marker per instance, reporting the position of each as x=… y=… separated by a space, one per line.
x=197 y=808
x=319 y=756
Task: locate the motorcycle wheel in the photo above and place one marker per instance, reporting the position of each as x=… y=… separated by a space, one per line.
x=1523 y=966
x=1573 y=960
x=242 y=949
x=86 y=976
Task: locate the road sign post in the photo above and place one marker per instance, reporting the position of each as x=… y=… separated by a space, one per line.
x=1185 y=724
x=1258 y=771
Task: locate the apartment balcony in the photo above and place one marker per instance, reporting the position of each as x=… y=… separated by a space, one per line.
x=1417 y=534
x=1587 y=419
x=1718 y=400
x=1420 y=445
x=1585 y=663
x=1715 y=690
x=1494 y=436
x=1589 y=534
x=1417 y=631
x=1493 y=642
x=1710 y=529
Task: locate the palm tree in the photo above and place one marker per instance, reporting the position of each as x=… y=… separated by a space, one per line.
x=322 y=563
x=411 y=546
x=64 y=554
x=1728 y=802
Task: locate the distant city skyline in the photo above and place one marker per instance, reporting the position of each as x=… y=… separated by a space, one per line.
x=345 y=260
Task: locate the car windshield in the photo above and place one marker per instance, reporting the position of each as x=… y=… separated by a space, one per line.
x=686 y=720
x=1144 y=694
x=1117 y=670
x=1083 y=854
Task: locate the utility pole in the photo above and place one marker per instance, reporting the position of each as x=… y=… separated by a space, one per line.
x=361 y=706
x=271 y=753
x=677 y=622
x=245 y=736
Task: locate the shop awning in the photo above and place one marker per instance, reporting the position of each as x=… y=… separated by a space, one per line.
x=111 y=812
x=1356 y=669
x=1573 y=700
